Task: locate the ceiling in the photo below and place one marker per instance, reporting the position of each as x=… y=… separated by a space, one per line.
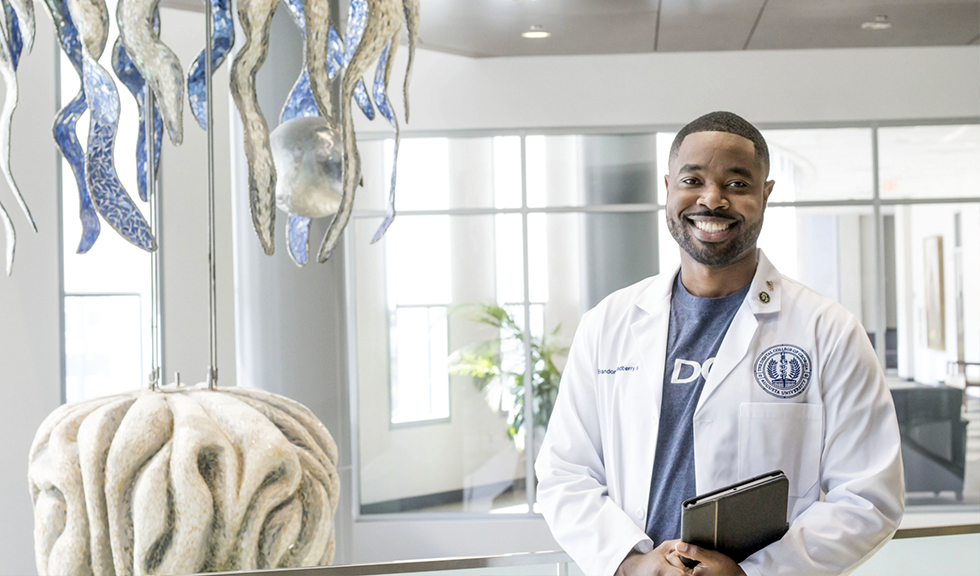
x=492 y=28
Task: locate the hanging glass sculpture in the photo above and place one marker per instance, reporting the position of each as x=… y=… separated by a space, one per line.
x=222 y=39
x=107 y=193
x=156 y=62
x=126 y=71
x=11 y=46
x=66 y=119
x=321 y=185
x=372 y=30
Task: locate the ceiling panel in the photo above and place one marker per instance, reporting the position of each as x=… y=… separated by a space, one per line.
x=493 y=27
x=488 y=28
x=697 y=25
x=787 y=24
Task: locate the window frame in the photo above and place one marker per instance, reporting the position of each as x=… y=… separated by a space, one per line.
x=876 y=202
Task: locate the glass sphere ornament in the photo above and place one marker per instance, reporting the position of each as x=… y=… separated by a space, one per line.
x=308 y=155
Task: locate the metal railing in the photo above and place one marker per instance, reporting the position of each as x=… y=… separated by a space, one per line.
x=559 y=559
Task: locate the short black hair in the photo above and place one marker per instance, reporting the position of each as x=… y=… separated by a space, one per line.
x=721 y=121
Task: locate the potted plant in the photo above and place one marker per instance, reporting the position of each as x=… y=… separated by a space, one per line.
x=486 y=363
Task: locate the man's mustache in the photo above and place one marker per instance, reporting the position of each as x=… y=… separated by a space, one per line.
x=710 y=214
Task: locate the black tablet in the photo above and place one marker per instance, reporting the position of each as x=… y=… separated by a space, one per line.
x=737 y=520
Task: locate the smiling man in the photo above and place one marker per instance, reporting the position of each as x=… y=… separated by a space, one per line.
x=734 y=371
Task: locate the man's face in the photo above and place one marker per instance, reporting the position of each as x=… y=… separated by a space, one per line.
x=716 y=196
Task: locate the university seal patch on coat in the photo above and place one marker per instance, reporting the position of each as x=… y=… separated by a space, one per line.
x=783 y=370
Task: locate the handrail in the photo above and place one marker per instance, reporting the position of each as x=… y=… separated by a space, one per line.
x=521 y=559
x=930 y=531
x=408 y=566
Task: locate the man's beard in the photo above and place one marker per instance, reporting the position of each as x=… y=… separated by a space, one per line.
x=714 y=254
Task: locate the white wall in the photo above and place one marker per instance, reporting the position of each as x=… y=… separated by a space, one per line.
x=454 y=92
x=30 y=302
x=912 y=226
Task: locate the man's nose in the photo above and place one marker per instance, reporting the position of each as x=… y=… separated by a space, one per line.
x=713 y=197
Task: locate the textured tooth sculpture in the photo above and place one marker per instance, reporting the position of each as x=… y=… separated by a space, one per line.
x=64 y=123
x=108 y=195
x=127 y=73
x=255 y=17
x=10 y=48
x=156 y=62
x=382 y=25
x=182 y=480
x=222 y=39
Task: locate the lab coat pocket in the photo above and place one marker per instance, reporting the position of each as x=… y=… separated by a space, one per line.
x=776 y=436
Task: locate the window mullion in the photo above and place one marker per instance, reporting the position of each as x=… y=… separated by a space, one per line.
x=528 y=367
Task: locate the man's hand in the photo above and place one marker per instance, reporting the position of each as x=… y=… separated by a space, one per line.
x=711 y=563
x=663 y=561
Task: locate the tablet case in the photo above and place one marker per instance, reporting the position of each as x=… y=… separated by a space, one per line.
x=740 y=519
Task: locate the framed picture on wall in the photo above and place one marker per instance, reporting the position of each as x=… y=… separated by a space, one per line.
x=932 y=248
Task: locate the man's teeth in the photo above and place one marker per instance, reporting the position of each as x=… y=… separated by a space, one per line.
x=711 y=227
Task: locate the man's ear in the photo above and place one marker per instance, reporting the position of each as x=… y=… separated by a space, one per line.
x=767 y=190
x=666 y=183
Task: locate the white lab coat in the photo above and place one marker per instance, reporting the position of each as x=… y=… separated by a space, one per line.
x=839 y=436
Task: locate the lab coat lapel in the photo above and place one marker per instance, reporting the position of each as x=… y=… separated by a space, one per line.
x=649 y=334
x=763 y=298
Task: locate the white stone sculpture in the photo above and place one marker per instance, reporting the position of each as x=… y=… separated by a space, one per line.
x=182 y=480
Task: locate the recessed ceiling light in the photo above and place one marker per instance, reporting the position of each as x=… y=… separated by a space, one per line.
x=537 y=31
x=879 y=23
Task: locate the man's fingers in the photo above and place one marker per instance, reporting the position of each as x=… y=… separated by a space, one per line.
x=668 y=545
x=674 y=559
x=697 y=553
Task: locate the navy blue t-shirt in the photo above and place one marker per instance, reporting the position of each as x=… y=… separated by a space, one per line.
x=697 y=327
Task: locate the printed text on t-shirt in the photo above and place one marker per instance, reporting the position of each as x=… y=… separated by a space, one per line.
x=686 y=371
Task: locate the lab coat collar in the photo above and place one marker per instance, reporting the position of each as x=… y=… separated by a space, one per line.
x=764 y=296
x=652 y=299
x=762 y=300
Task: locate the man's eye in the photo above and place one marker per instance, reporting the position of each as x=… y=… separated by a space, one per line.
x=689 y=181
x=737 y=184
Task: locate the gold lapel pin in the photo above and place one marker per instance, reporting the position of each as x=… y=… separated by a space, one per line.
x=769 y=285
x=764 y=296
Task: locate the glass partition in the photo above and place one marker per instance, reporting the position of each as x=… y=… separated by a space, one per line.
x=434 y=429
x=591 y=170
x=924 y=162
x=820 y=164
x=829 y=249
x=547 y=244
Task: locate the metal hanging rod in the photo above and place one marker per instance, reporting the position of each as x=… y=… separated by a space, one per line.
x=156 y=312
x=212 y=274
